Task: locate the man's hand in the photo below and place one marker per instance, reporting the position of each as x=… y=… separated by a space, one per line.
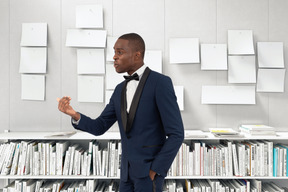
x=64 y=106
x=152 y=174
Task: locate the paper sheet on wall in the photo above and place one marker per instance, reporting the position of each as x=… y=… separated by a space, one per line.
x=112 y=77
x=33 y=87
x=89 y=16
x=184 y=50
x=108 y=95
x=90 y=61
x=242 y=69
x=228 y=94
x=270 y=54
x=34 y=34
x=90 y=88
x=271 y=80
x=110 y=48
x=213 y=57
x=86 y=38
x=33 y=60
x=153 y=59
x=240 y=42
x=179 y=92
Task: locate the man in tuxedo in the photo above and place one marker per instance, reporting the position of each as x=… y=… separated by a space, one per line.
x=149 y=119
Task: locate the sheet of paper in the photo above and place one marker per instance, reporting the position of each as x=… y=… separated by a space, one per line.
x=108 y=96
x=271 y=80
x=86 y=38
x=240 y=42
x=33 y=60
x=110 y=48
x=153 y=59
x=90 y=61
x=228 y=94
x=179 y=92
x=242 y=69
x=112 y=77
x=34 y=34
x=184 y=50
x=89 y=16
x=33 y=87
x=270 y=54
x=213 y=57
x=90 y=88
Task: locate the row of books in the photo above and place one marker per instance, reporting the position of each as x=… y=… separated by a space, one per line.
x=227 y=158
x=60 y=158
x=215 y=185
x=245 y=158
x=196 y=185
x=62 y=186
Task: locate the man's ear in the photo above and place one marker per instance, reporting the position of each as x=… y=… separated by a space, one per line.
x=138 y=55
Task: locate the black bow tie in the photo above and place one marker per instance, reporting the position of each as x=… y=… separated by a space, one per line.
x=132 y=77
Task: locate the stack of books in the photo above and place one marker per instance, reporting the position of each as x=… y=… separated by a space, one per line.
x=257 y=130
x=224 y=132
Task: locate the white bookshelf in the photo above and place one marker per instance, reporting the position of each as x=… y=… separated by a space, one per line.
x=86 y=137
x=79 y=135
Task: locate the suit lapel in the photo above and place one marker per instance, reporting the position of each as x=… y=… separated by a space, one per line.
x=135 y=101
x=124 y=106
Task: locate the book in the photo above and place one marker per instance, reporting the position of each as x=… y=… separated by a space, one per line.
x=224 y=132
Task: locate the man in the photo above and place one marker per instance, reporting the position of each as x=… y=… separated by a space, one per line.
x=148 y=116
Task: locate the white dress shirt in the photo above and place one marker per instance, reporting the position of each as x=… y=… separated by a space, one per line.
x=132 y=86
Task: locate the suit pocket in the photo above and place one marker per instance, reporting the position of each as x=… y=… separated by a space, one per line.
x=149 y=146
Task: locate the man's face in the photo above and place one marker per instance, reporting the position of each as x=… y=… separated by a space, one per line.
x=124 y=57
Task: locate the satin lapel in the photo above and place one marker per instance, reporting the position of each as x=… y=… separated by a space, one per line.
x=124 y=106
x=136 y=99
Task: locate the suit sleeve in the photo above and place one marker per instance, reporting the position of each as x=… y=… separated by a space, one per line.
x=99 y=125
x=173 y=126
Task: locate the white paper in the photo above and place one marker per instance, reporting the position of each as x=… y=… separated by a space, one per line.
x=228 y=94
x=179 y=92
x=108 y=95
x=240 y=42
x=271 y=80
x=89 y=16
x=33 y=60
x=213 y=57
x=90 y=61
x=112 y=77
x=86 y=38
x=153 y=59
x=34 y=34
x=184 y=50
x=270 y=54
x=242 y=69
x=90 y=88
x=110 y=48
x=33 y=87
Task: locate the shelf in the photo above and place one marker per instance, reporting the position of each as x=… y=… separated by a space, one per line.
x=79 y=135
x=51 y=136
x=103 y=177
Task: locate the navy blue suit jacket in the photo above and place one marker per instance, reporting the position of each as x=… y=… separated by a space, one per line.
x=157 y=131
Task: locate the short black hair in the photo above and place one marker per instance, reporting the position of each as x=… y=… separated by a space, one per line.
x=135 y=41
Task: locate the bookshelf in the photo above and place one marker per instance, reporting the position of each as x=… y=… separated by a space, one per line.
x=83 y=137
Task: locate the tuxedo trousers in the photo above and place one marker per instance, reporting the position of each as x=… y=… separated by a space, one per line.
x=145 y=184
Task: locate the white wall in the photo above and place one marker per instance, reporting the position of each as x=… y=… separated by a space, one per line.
x=157 y=21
